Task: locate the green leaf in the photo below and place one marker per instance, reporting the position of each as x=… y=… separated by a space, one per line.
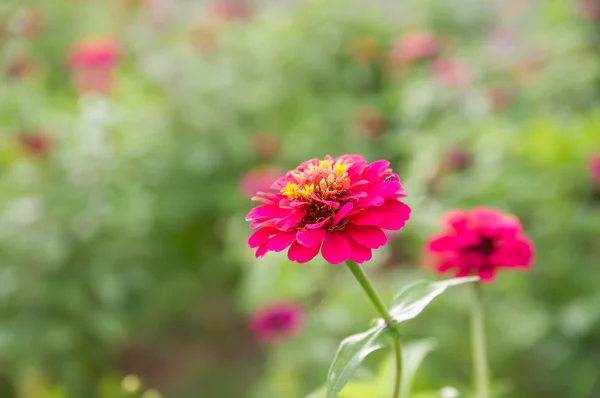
x=352 y=351
x=413 y=355
x=411 y=301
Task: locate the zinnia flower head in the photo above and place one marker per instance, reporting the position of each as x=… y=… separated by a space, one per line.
x=336 y=206
x=415 y=46
x=595 y=169
x=259 y=179
x=277 y=322
x=478 y=242
x=96 y=52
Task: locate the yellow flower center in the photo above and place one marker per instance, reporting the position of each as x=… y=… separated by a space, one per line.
x=326 y=180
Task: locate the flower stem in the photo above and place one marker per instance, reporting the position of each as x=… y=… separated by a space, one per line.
x=361 y=277
x=480 y=365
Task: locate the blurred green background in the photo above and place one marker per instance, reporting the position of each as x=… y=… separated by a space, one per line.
x=122 y=234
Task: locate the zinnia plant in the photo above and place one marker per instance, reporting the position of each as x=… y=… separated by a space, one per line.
x=479 y=242
x=340 y=208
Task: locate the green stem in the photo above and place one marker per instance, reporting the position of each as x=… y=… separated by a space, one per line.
x=480 y=365
x=361 y=277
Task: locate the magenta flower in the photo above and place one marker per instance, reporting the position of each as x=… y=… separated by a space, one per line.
x=337 y=206
x=595 y=169
x=259 y=179
x=415 y=46
x=478 y=242
x=277 y=322
x=93 y=63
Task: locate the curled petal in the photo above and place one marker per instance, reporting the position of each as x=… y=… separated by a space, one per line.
x=319 y=224
x=261 y=236
x=266 y=211
x=261 y=251
x=290 y=221
x=341 y=213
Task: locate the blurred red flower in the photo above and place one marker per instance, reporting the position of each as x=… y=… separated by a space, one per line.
x=93 y=64
x=478 y=242
x=595 y=169
x=35 y=144
x=259 y=179
x=415 y=46
x=277 y=322
x=338 y=206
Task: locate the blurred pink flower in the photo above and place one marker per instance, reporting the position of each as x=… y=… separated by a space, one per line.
x=595 y=169
x=336 y=206
x=259 y=179
x=479 y=242
x=452 y=72
x=230 y=10
x=277 y=322
x=591 y=9
x=415 y=46
x=37 y=144
x=93 y=63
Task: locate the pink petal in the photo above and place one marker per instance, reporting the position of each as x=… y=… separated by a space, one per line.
x=261 y=236
x=373 y=170
x=290 y=221
x=266 y=211
x=336 y=249
x=302 y=254
x=261 y=251
x=441 y=243
x=331 y=203
x=271 y=201
x=395 y=214
x=387 y=188
x=366 y=218
x=369 y=236
x=360 y=254
x=311 y=237
x=319 y=224
x=487 y=275
x=280 y=242
x=341 y=213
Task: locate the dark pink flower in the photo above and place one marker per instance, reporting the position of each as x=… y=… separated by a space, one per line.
x=36 y=144
x=478 y=242
x=277 y=322
x=259 y=179
x=415 y=46
x=452 y=72
x=595 y=169
x=93 y=63
x=337 y=206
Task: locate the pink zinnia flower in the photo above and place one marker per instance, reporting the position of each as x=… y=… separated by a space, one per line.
x=277 y=322
x=415 y=46
x=93 y=63
x=36 y=144
x=338 y=206
x=259 y=179
x=452 y=72
x=478 y=242
x=595 y=169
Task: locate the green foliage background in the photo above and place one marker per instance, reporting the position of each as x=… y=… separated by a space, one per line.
x=123 y=249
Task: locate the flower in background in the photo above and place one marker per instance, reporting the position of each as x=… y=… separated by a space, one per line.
x=452 y=72
x=230 y=10
x=595 y=169
x=30 y=23
x=479 y=242
x=266 y=145
x=459 y=158
x=415 y=46
x=259 y=179
x=365 y=49
x=336 y=206
x=93 y=64
x=372 y=123
x=19 y=67
x=591 y=9
x=277 y=322
x=37 y=144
